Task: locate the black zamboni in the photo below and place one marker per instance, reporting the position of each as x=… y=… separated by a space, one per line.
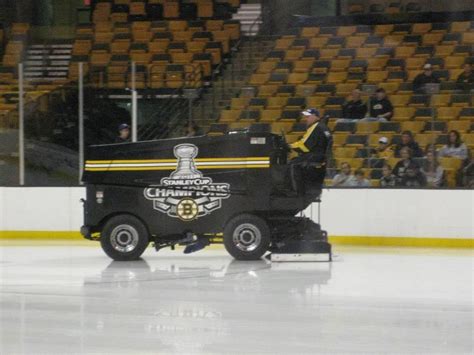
x=196 y=191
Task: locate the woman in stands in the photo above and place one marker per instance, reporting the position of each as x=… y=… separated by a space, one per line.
x=407 y=171
x=434 y=172
x=455 y=147
x=387 y=179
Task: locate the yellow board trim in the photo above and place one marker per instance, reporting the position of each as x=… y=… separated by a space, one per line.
x=336 y=240
x=203 y=167
x=173 y=160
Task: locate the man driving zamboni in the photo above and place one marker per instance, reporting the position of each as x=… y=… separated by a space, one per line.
x=308 y=168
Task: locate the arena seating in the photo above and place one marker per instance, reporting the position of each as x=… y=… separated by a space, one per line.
x=168 y=54
x=320 y=66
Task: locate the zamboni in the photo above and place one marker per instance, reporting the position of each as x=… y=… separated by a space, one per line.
x=238 y=189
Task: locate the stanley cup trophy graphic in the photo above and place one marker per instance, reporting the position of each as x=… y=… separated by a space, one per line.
x=186 y=169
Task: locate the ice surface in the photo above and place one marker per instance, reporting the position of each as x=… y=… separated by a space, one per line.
x=73 y=299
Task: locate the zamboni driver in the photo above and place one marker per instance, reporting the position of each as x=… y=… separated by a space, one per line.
x=308 y=169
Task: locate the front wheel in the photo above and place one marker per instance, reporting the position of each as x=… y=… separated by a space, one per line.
x=124 y=238
x=247 y=237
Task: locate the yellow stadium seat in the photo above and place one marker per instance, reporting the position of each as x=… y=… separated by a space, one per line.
x=342 y=152
x=450 y=163
x=336 y=77
x=468 y=139
x=421 y=28
x=293 y=54
x=343 y=89
x=367 y=127
x=276 y=102
x=239 y=103
x=403 y=113
x=400 y=100
x=328 y=53
x=393 y=40
x=267 y=90
x=448 y=113
x=315 y=101
x=413 y=126
x=229 y=115
x=297 y=78
x=365 y=53
x=318 y=42
x=345 y=31
x=461 y=126
x=432 y=38
x=283 y=43
x=270 y=115
x=404 y=52
x=439 y=100
x=339 y=64
x=375 y=77
x=259 y=79
x=453 y=62
x=376 y=63
x=302 y=66
x=424 y=139
x=414 y=63
x=309 y=32
x=460 y=26
x=383 y=30
x=444 y=50
x=390 y=88
x=468 y=38
x=265 y=67
x=355 y=41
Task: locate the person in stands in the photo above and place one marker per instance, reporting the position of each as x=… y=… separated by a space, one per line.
x=426 y=77
x=407 y=171
x=434 y=172
x=345 y=177
x=380 y=107
x=455 y=147
x=408 y=142
x=387 y=179
x=465 y=80
x=124 y=134
x=360 y=180
x=383 y=150
x=354 y=109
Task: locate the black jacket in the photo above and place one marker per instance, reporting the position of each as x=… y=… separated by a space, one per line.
x=119 y=139
x=354 y=109
x=465 y=81
x=422 y=79
x=380 y=107
x=408 y=174
x=416 y=151
x=315 y=143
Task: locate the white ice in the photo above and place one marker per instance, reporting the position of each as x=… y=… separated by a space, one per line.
x=73 y=299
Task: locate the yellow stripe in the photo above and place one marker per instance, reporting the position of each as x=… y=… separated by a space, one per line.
x=144 y=168
x=174 y=160
x=336 y=240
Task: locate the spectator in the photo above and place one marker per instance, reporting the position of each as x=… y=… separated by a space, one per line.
x=381 y=109
x=465 y=175
x=383 y=150
x=360 y=180
x=465 y=80
x=345 y=177
x=455 y=147
x=433 y=171
x=387 y=179
x=124 y=133
x=409 y=142
x=426 y=77
x=407 y=172
x=354 y=109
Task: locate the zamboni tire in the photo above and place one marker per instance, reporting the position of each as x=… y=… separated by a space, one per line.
x=124 y=238
x=247 y=237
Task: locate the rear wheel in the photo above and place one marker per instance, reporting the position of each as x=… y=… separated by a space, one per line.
x=247 y=237
x=124 y=238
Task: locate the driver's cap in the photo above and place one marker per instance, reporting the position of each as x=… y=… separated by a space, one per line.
x=310 y=111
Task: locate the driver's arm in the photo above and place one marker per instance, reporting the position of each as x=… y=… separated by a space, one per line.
x=305 y=144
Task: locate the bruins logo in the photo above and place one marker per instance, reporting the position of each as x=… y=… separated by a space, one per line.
x=187 y=209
